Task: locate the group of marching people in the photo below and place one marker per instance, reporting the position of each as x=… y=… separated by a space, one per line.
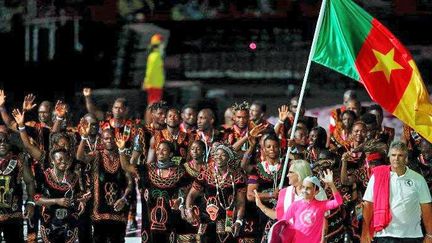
x=199 y=182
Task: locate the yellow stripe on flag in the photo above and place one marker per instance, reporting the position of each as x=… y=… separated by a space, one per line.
x=414 y=108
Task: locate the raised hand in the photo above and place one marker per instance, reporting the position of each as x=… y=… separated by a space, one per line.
x=283 y=112
x=328 y=177
x=257 y=131
x=28 y=102
x=87 y=92
x=2 y=97
x=120 y=142
x=83 y=128
x=60 y=109
x=19 y=117
x=258 y=201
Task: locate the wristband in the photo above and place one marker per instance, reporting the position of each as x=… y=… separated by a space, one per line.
x=84 y=138
x=239 y=221
x=59 y=118
x=280 y=121
x=31 y=203
x=122 y=150
x=21 y=129
x=429 y=236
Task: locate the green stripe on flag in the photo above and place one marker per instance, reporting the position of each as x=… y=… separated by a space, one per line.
x=345 y=27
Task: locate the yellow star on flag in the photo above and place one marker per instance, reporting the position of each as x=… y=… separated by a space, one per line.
x=386 y=63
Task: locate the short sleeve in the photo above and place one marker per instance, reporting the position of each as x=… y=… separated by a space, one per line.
x=368 y=195
x=423 y=190
x=253 y=176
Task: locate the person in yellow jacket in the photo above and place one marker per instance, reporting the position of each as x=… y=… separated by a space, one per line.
x=154 y=78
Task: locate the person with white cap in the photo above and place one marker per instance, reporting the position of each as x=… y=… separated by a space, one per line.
x=307 y=214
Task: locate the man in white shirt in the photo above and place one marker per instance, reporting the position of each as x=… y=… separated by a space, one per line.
x=410 y=202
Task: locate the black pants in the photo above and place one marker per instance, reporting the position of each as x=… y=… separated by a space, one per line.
x=397 y=240
x=12 y=231
x=109 y=231
x=85 y=226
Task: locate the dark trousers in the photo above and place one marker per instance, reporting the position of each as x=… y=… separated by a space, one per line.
x=12 y=231
x=109 y=232
x=85 y=226
x=33 y=226
x=397 y=240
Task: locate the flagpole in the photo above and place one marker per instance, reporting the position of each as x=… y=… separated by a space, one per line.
x=303 y=87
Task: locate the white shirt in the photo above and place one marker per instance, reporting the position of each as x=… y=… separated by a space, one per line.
x=407 y=192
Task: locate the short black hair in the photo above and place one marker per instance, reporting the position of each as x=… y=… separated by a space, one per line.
x=271 y=136
x=350 y=112
x=188 y=106
x=376 y=107
x=158 y=105
x=169 y=144
x=261 y=104
x=369 y=119
x=122 y=100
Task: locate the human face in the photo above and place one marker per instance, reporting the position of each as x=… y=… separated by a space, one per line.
x=221 y=158
x=300 y=137
x=371 y=131
x=4 y=145
x=293 y=178
x=241 y=119
x=347 y=120
x=204 y=121
x=308 y=190
x=354 y=106
x=159 y=116
x=44 y=113
x=313 y=136
x=398 y=159
x=189 y=116
x=255 y=113
x=196 y=152
x=118 y=110
x=94 y=127
x=293 y=107
x=163 y=152
x=108 y=140
x=61 y=161
x=173 y=119
x=426 y=149
x=271 y=149
x=63 y=143
x=358 y=133
x=378 y=116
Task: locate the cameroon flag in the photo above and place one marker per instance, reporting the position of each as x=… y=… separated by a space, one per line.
x=357 y=45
